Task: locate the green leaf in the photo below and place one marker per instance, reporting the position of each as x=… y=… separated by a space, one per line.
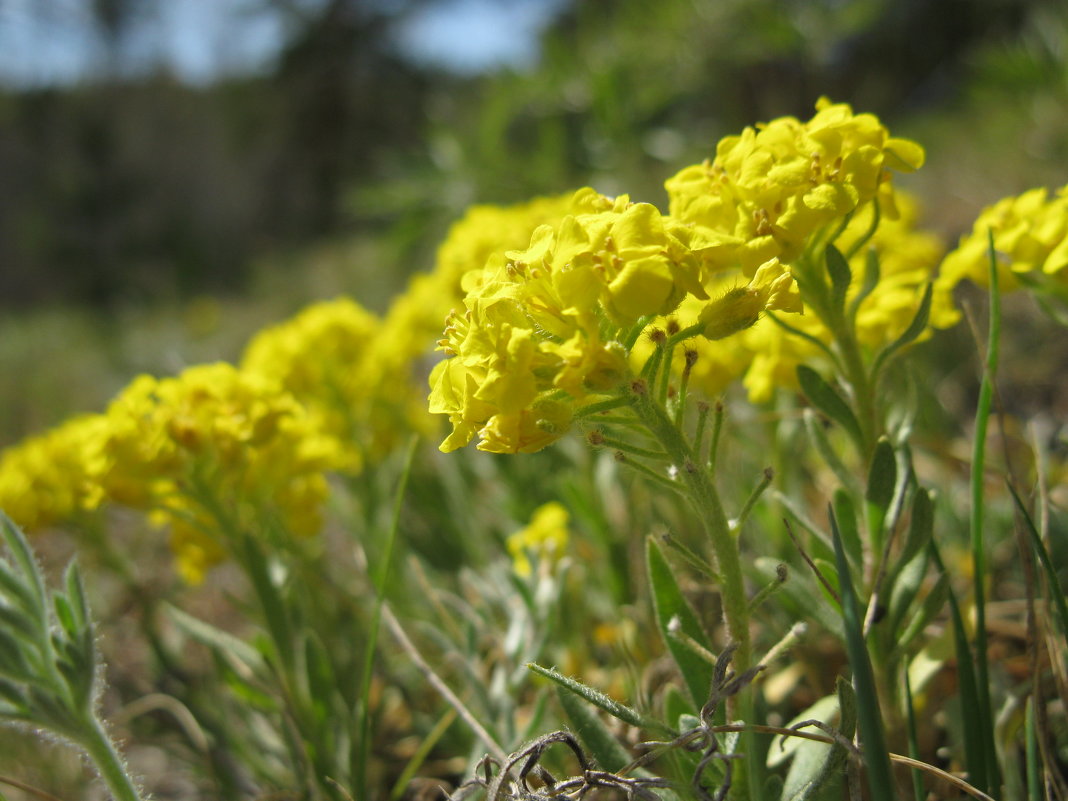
x=19 y=594
x=871 y=280
x=64 y=614
x=841 y=277
x=1056 y=592
x=968 y=692
x=919 y=322
x=20 y=549
x=669 y=604
x=921 y=524
x=882 y=475
x=825 y=398
x=76 y=593
x=676 y=706
x=933 y=603
x=826 y=709
x=229 y=647
x=17 y=622
x=907 y=583
x=845 y=511
x=873 y=738
x=600 y=700
x=817 y=432
x=818 y=766
x=600 y=742
x=322 y=687
x=273 y=606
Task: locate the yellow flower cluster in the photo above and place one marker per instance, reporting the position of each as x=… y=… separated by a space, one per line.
x=323 y=357
x=543 y=326
x=400 y=358
x=547 y=328
x=214 y=448
x=1030 y=241
x=773 y=186
x=545 y=537
x=766 y=356
x=211 y=446
x=45 y=479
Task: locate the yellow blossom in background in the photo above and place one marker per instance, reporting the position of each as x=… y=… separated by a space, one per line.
x=324 y=357
x=545 y=537
x=487 y=229
x=774 y=185
x=1030 y=240
x=214 y=451
x=45 y=479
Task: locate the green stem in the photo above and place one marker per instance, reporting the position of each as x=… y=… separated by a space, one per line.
x=703 y=495
x=102 y=752
x=860 y=382
x=982 y=417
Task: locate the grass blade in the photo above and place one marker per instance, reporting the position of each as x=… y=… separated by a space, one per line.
x=1055 y=589
x=914 y=744
x=873 y=738
x=363 y=744
x=989 y=780
x=974 y=750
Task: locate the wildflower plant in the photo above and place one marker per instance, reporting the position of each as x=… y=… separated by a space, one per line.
x=789 y=266
x=50 y=675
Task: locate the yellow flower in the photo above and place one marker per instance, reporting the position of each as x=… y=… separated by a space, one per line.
x=46 y=479
x=766 y=356
x=212 y=452
x=773 y=186
x=772 y=288
x=324 y=357
x=545 y=537
x=1030 y=239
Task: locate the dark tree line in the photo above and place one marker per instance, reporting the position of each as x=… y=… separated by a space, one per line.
x=139 y=185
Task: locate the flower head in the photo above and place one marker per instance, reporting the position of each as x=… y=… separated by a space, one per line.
x=1030 y=242
x=774 y=185
x=545 y=536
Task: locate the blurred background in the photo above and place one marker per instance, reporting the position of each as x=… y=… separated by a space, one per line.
x=174 y=174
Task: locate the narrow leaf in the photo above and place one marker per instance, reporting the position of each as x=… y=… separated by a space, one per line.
x=921 y=524
x=1056 y=592
x=873 y=738
x=598 y=699
x=846 y=513
x=273 y=606
x=20 y=549
x=871 y=280
x=227 y=645
x=971 y=723
x=919 y=322
x=825 y=398
x=841 y=276
x=600 y=742
x=669 y=604
x=882 y=475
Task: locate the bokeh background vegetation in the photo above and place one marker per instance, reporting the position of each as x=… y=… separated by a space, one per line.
x=147 y=222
